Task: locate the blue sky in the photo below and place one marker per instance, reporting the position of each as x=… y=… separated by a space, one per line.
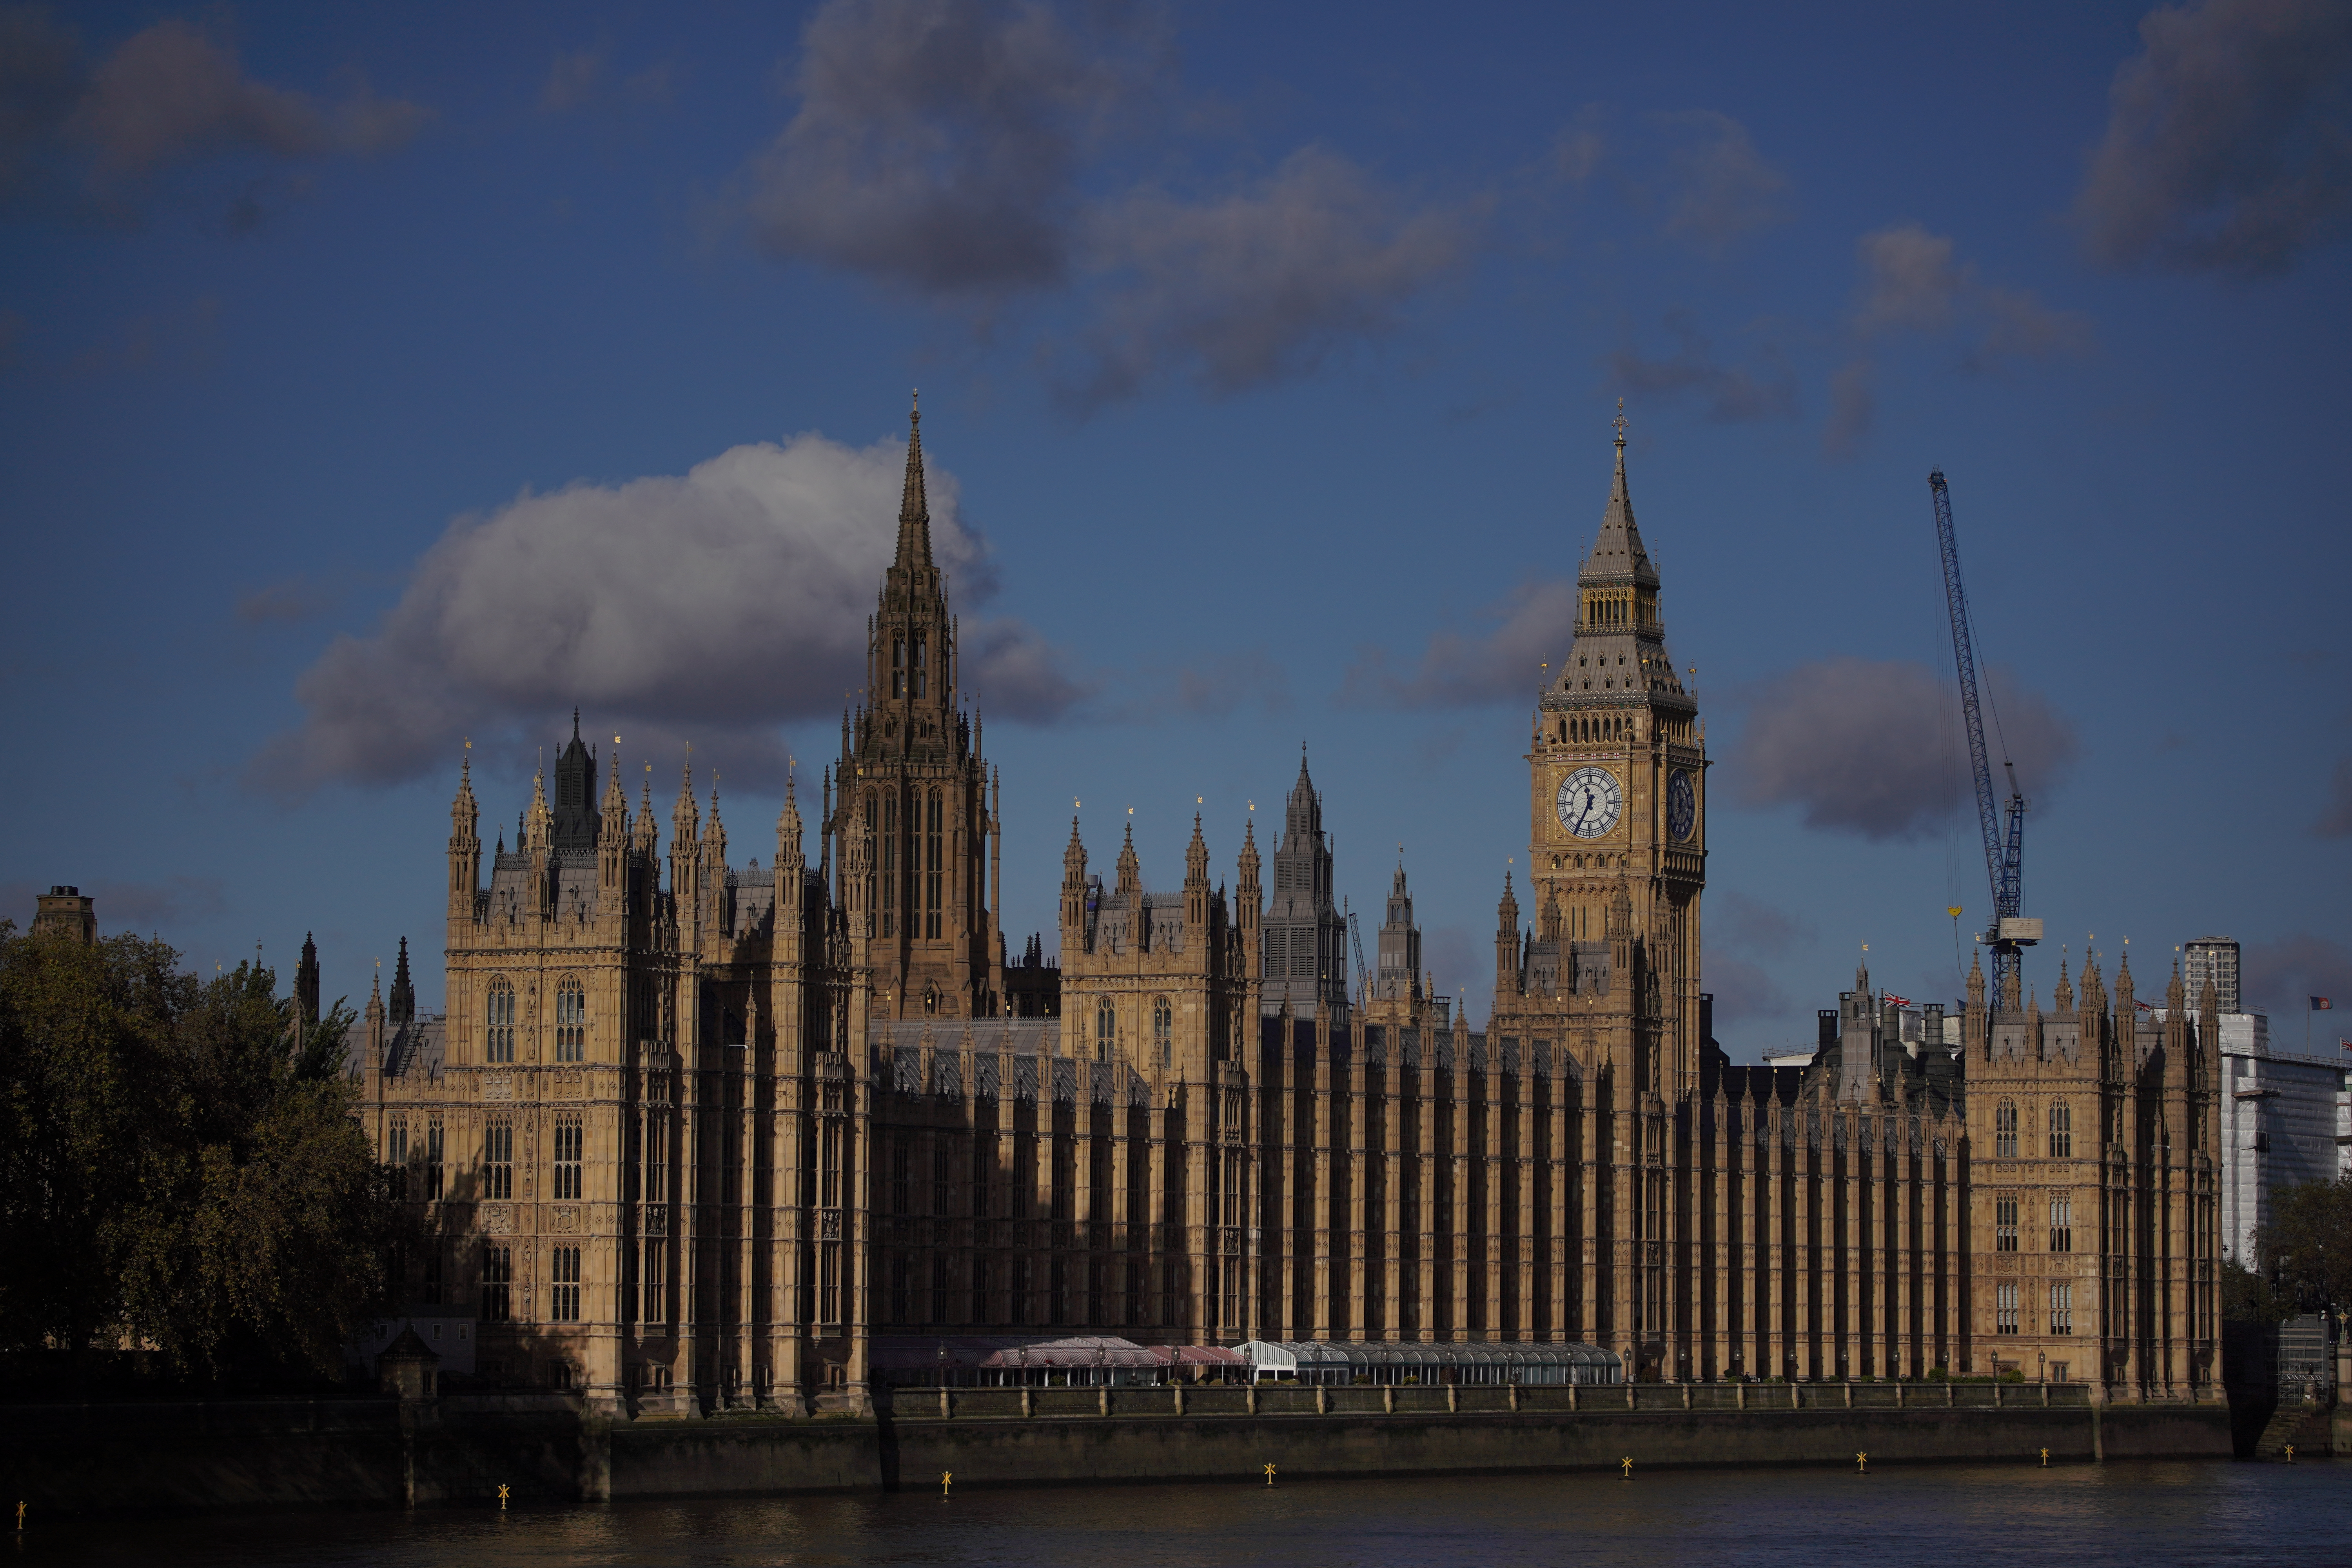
x=371 y=379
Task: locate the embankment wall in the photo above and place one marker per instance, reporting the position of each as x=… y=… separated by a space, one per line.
x=458 y=1451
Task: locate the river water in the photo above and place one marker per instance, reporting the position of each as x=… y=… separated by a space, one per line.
x=2079 y=1515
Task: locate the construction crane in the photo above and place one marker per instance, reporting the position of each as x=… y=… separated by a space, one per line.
x=2010 y=934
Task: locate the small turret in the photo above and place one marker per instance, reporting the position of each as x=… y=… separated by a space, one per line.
x=402 y=1011
x=1131 y=870
x=790 y=858
x=1507 y=943
x=306 y=983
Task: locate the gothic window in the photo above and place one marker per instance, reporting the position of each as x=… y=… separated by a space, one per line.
x=499 y=1044
x=655 y=1280
x=2004 y=1130
x=498 y=1158
x=569 y=1137
x=931 y=871
x=657 y=1161
x=2005 y=1308
x=571 y=1022
x=395 y=1154
x=564 y=1293
x=939 y=1177
x=2062 y=1309
x=828 y=1282
x=1163 y=1021
x=940 y=1288
x=2004 y=1225
x=828 y=1171
x=897 y=666
x=498 y=1283
x=922 y=682
x=2062 y=1131
x=1105 y=1030
x=902 y=1306
x=2061 y=1224
x=889 y=878
x=433 y=1160
x=900 y=1158
x=979 y=1291
x=984 y=1166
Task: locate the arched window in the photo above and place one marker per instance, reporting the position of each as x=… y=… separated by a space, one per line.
x=931 y=865
x=571 y=1022
x=2004 y=1130
x=897 y=666
x=497 y=1041
x=922 y=681
x=1163 y=1028
x=2062 y=1131
x=1105 y=1030
x=889 y=869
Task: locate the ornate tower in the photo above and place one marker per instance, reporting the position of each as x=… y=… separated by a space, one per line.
x=1305 y=937
x=1617 y=777
x=914 y=789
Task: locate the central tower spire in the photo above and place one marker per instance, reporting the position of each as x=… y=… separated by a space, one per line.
x=914 y=504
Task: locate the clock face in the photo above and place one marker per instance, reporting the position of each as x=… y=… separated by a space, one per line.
x=1682 y=810
x=1589 y=802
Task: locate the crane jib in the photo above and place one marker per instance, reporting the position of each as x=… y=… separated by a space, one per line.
x=2004 y=859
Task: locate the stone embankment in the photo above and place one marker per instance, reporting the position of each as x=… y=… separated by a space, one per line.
x=460 y=1449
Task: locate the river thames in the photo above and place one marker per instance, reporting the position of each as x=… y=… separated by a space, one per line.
x=2128 y=1513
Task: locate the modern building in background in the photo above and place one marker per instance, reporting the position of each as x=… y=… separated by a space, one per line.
x=2213 y=958
x=706 y=1135
x=2286 y=1120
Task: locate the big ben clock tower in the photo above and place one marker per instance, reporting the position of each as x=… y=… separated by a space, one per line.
x=1617 y=776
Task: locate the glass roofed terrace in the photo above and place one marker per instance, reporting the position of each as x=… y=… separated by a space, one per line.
x=1341 y=1361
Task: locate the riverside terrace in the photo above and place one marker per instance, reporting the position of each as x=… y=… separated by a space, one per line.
x=995 y=1361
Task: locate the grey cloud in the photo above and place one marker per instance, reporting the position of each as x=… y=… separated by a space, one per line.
x=2281 y=975
x=2229 y=139
x=1744 y=991
x=711 y=606
x=1853 y=408
x=1720 y=185
x=952 y=147
x=2336 y=819
x=1259 y=284
x=168 y=95
x=1531 y=625
x=1754 y=926
x=1733 y=394
x=573 y=78
x=1910 y=281
x=937 y=141
x=1859 y=746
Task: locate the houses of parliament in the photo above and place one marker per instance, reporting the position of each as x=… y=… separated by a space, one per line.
x=695 y=1134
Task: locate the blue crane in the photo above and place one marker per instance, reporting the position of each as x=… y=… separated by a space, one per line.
x=2010 y=934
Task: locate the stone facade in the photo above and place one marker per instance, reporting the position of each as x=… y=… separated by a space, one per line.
x=690 y=1141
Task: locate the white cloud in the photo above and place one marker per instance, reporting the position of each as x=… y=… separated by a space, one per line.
x=715 y=604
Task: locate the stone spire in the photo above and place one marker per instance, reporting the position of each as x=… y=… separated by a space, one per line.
x=716 y=834
x=404 y=994
x=685 y=819
x=1617 y=551
x=2061 y=1001
x=1196 y=857
x=306 y=981
x=538 y=824
x=914 y=505
x=1131 y=869
x=645 y=834
x=789 y=854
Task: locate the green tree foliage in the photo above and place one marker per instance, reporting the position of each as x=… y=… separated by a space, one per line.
x=179 y=1164
x=2305 y=1252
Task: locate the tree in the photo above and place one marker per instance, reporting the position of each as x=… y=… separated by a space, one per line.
x=179 y=1163
x=2305 y=1250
